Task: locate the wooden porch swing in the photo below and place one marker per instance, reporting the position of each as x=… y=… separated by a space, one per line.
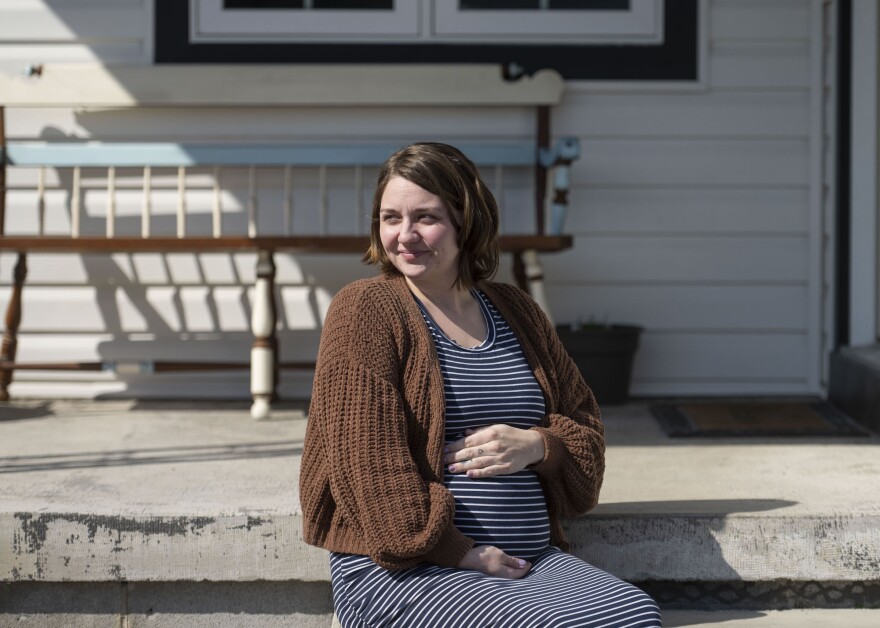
x=277 y=86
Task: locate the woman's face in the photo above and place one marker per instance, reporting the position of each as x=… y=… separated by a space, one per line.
x=418 y=235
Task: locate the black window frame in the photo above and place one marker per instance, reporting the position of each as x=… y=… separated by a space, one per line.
x=675 y=59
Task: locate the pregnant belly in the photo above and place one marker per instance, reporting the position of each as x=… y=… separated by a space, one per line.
x=507 y=511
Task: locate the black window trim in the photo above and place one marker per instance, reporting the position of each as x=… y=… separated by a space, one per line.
x=675 y=59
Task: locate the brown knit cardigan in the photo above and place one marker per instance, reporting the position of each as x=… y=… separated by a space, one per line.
x=371 y=480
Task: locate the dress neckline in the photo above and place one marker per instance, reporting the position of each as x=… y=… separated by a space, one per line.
x=487 y=342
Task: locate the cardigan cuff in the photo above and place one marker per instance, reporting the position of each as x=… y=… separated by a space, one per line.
x=554 y=453
x=450 y=548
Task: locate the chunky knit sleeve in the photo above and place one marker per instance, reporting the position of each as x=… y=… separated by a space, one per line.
x=360 y=435
x=574 y=437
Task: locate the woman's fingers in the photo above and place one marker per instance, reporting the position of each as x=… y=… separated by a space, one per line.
x=492 y=561
x=494 y=450
x=510 y=567
x=481 y=466
x=514 y=563
x=476 y=443
x=472 y=440
x=489 y=471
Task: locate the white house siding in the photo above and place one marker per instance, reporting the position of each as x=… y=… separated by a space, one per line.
x=696 y=213
x=72 y=31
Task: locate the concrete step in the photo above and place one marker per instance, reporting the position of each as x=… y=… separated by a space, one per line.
x=269 y=605
x=124 y=497
x=264 y=605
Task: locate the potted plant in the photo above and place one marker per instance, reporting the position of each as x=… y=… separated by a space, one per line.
x=604 y=355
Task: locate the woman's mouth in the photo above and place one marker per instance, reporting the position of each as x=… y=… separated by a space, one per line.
x=410 y=255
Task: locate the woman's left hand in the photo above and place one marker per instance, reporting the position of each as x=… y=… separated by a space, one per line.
x=494 y=450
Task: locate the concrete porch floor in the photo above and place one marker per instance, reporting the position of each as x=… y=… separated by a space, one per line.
x=142 y=493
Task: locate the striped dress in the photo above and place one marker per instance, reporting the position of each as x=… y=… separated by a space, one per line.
x=486 y=385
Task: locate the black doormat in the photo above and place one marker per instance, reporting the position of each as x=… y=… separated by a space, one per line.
x=754 y=418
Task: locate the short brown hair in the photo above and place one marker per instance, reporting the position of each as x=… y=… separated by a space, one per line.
x=444 y=170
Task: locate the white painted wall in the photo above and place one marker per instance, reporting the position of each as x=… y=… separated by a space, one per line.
x=698 y=213
x=49 y=31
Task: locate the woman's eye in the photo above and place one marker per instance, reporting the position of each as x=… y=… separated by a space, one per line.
x=390 y=218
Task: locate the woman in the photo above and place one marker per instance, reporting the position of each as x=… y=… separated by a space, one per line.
x=449 y=431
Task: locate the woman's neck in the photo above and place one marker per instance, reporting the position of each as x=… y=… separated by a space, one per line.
x=456 y=312
x=453 y=300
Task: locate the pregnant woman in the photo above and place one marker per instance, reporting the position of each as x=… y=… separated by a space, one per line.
x=449 y=431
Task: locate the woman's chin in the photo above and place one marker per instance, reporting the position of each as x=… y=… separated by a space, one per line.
x=415 y=274
x=412 y=269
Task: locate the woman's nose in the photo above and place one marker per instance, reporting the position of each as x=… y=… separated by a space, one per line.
x=407 y=233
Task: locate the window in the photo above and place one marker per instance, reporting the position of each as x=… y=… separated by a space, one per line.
x=302 y=20
x=308 y=4
x=551 y=21
x=608 y=40
x=545 y=5
x=574 y=21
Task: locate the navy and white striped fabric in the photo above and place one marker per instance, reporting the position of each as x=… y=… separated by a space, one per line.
x=560 y=591
x=487 y=385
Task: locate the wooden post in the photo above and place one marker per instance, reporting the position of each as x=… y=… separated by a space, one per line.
x=264 y=351
x=13 y=320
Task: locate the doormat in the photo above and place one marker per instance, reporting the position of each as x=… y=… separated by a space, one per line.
x=755 y=418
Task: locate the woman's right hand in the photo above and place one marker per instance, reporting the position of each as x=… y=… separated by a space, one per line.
x=491 y=561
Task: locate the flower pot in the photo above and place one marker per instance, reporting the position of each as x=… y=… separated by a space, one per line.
x=604 y=355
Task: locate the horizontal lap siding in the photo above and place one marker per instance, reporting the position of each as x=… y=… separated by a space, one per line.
x=690 y=212
x=686 y=210
x=683 y=259
x=72 y=21
x=106 y=31
x=694 y=163
x=684 y=308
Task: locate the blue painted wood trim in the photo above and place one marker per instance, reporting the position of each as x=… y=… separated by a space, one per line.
x=169 y=154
